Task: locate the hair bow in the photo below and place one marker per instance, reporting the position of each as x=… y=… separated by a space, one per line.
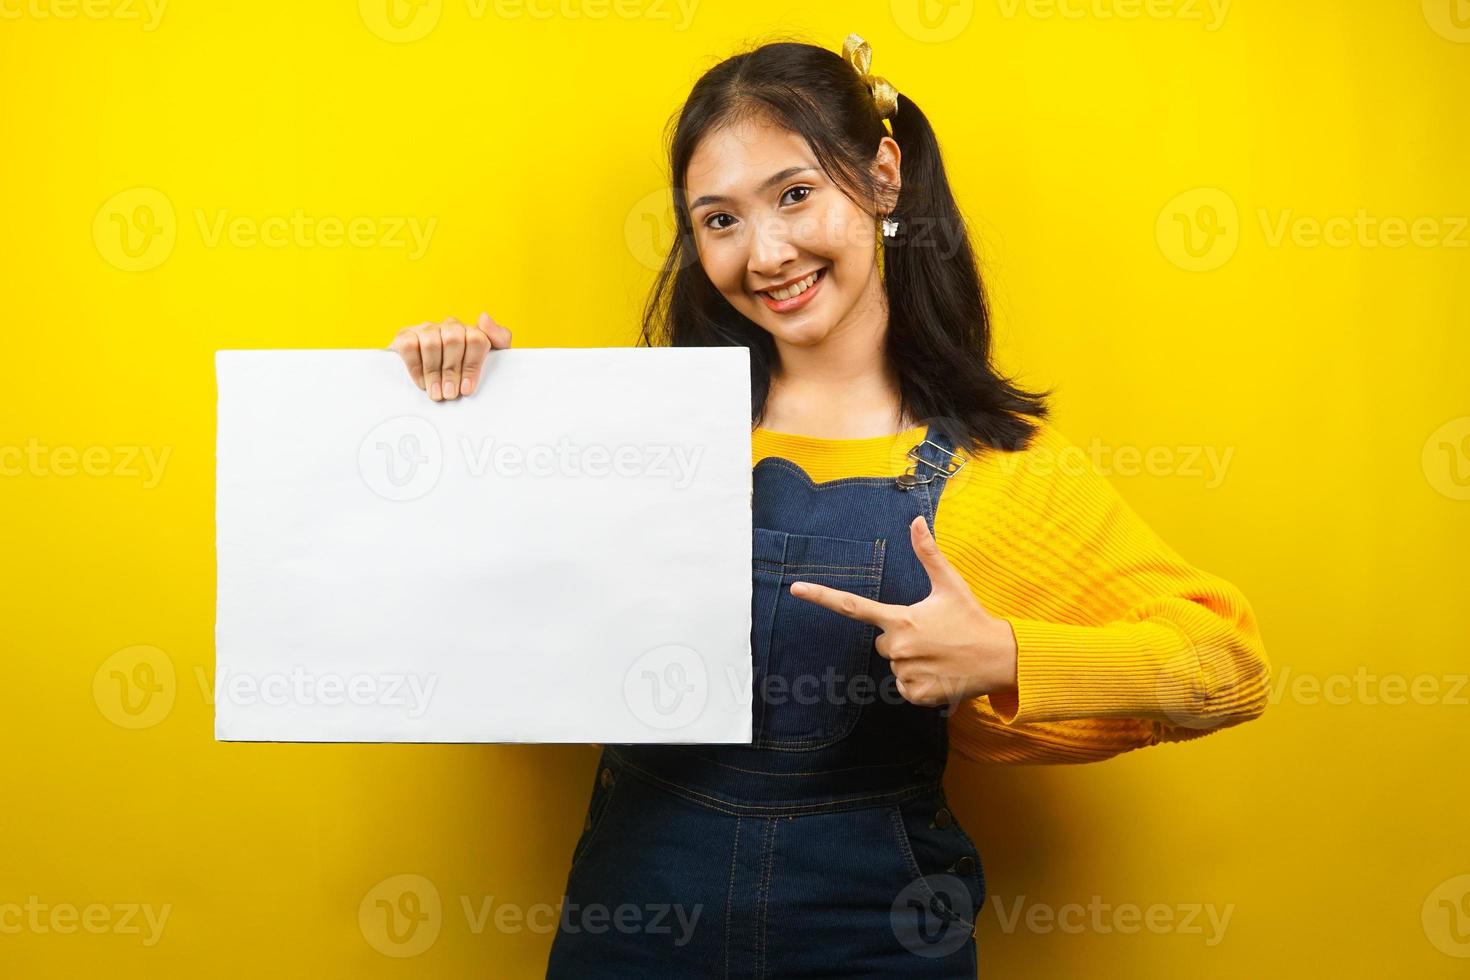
x=859 y=54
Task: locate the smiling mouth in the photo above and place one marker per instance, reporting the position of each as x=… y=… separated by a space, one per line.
x=796 y=288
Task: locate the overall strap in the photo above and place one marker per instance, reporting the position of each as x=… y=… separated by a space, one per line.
x=933 y=462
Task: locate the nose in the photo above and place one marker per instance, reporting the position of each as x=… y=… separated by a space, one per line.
x=770 y=250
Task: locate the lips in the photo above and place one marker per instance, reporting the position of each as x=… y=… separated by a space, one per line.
x=794 y=302
x=806 y=278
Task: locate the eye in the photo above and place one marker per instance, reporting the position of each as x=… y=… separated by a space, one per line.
x=802 y=190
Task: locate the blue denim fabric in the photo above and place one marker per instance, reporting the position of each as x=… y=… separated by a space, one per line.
x=823 y=849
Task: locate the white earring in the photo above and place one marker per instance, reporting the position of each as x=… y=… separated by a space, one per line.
x=890 y=228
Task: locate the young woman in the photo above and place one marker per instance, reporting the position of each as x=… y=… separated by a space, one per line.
x=928 y=561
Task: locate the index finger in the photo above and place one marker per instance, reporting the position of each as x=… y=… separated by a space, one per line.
x=487 y=336
x=848 y=604
x=406 y=344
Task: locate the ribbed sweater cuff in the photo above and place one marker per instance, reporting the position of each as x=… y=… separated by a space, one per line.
x=1065 y=671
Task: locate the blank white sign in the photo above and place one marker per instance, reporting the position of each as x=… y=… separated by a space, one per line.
x=563 y=556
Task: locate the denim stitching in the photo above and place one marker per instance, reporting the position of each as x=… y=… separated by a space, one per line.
x=849 y=719
x=803 y=772
x=730 y=895
x=768 y=855
x=850 y=569
x=786 y=464
x=785 y=809
x=900 y=830
x=974 y=855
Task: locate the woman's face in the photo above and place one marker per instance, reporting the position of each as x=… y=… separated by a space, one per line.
x=767 y=218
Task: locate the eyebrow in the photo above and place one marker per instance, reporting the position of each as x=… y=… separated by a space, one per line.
x=768 y=183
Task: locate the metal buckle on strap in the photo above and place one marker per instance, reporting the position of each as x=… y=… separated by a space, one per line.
x=911 y=479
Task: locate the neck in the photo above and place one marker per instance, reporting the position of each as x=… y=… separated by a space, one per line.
x=843 y=386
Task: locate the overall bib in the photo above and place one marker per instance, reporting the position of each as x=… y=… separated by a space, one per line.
x=825 y=848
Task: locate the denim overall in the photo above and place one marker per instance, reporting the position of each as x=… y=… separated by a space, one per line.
x=826 y=847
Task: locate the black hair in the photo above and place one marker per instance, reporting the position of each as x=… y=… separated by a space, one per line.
x=938 y=339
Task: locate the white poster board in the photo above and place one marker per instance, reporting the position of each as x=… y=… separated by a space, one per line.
x=563 y=556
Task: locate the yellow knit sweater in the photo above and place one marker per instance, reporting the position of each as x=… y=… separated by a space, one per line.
x=1121 y=643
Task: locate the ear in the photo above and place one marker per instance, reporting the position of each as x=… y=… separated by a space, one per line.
x=886 y=172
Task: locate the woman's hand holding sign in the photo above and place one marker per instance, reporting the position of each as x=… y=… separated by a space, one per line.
x=447 y=359
x=945 y=648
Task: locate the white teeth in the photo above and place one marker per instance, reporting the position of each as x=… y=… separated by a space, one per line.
x=793 y=290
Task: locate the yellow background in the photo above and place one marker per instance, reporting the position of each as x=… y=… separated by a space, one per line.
x=1083 y=139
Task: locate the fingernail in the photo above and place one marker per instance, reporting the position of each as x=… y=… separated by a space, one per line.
x=434 y=391
x=798 y=588
x=464 y=387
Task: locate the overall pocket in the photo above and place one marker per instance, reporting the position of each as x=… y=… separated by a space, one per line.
x=940 y=856
x=604 y=787
x=812 y=665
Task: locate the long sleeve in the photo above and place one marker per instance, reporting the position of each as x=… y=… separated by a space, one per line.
x=1121 y=643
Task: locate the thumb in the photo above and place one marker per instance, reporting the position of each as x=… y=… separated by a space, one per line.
x=499 y=336
x=942 y=575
